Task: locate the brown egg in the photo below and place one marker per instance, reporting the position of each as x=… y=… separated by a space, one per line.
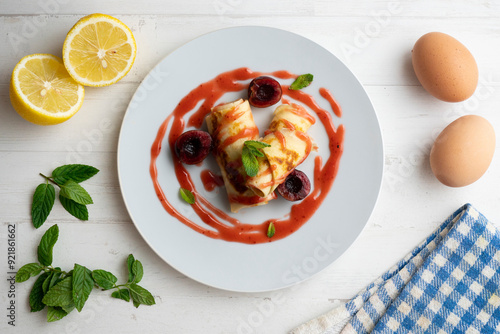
x=463 y=151
x=444 y=67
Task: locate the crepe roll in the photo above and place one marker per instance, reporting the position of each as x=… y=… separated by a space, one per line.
x=290 y=146
x=231 y=125
x=291 y=116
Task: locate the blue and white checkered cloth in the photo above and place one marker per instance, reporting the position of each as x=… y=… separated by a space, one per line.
x=450 y=283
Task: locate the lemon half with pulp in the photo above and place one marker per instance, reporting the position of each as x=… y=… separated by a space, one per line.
x=42 y=91
x=99 y=50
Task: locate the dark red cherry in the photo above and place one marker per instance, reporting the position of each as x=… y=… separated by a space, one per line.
x=192 y=147
x=264 y=92
x=296 y=186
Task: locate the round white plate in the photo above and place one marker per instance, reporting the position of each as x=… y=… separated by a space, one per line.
x=236 y=266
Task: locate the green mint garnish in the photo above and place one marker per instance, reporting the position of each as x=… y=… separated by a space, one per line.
x=271 y=230
x=75 y=172
x=77 y=210
x=302 y=81
x=63 y=291
x=46 y=245
x=187 y=195
x=249 y=154
x=28 y=270
x=43 y=201
x=83 y=283
x=72 y=195
x=104 y=279
x=255 y=144
x=72 y=190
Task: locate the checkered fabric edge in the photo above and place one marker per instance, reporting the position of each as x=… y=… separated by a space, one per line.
x=447 y=284
x=371 y=304
x=456 y=290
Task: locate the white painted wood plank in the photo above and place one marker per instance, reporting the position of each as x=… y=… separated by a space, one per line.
x=422 y=8
x=169 y=7
x=380 y=10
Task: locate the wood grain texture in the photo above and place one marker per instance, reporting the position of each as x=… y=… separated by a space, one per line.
x=373 y=38
x=238 y=8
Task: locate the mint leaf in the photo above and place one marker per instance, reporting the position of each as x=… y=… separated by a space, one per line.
x=55 y=313
x=104 y=279
x=60 y=294
x=138 y=271
x=82 y=286
x=43 y=201
x=256 y=152
x=28 y=270
x=75 y=172
x=130 y=262
x=46 y=282
x=75 y=209
x=271 y=230
x=249 y=154
x=187 y=195
x=51 y=280
x=47 y=244
x=74 y=191
x=68 y=308
x=122 y=294
x=140 y=295
x=256 y=144
x=302 y=81
x=250 y=162
x=36 y=294
x=54 y=279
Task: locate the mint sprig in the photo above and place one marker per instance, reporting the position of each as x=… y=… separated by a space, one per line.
x=302 y=81
x=72 y=195
x=250 y=152
x=63 y=291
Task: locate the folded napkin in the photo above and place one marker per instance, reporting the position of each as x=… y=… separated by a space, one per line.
x=447 y=284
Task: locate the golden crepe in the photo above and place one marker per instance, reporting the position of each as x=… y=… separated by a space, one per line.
x=230 y=125
x=290 y=145
x=292 y=116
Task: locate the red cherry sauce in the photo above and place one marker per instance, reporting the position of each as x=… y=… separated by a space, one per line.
x=222 y=225
x=210 y=180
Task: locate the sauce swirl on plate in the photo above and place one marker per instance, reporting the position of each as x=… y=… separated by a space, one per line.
x=220 y=225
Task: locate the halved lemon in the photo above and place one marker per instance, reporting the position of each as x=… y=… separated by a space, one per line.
x=42 y=91
x=99 y=50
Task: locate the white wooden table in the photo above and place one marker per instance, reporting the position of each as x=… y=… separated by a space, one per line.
x=374 y=39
